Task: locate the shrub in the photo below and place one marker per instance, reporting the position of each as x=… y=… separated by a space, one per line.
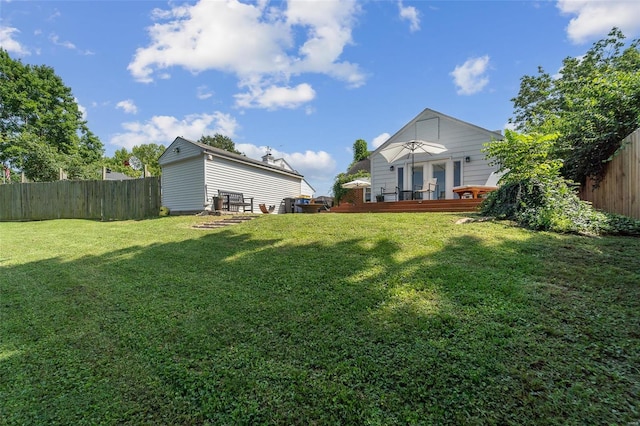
x=552 y=204
x=338 y=191
x=616 y=224
x=535 y=195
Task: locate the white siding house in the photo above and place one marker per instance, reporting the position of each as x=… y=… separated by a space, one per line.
x=462 y=164
x=192 y=173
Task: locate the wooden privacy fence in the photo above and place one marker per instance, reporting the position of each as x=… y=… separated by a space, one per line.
x=619 y=191
x=94 y=199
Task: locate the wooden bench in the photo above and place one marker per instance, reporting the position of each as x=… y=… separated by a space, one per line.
x=232 y=201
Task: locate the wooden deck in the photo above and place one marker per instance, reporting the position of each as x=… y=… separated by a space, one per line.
x=458 y=205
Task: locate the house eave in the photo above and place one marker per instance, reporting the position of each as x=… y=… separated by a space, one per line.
x=230 y=156
x=490 y=133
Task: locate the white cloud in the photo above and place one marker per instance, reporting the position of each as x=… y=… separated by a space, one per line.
x=9 y=43
x=95 y=104
x=274 y=97
x=410 y=14
x=328 y=25
x=55 y=15
x=594 y=19
x=164 y=129
x=204 y=93
x=55 y=39
x=313 y=165
x=81 y=108
x=380 y=139
x=256 y=43
x=128 y=106
x=470 y=77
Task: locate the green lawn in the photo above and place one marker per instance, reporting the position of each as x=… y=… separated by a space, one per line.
x=316 y=319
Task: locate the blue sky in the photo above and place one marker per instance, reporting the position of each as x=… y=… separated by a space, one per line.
x=305 y=78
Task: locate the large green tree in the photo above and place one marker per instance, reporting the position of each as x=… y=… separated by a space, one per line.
x=41 y=125
x=593 y=104
x=149 y=154
x=220 y=141
x=120 y=162
x=132 y=162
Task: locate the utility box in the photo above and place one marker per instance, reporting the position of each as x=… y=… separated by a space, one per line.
x=289 y=205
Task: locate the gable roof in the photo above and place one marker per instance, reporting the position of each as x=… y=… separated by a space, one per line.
x=430 y=112
x=208 y=149
x=109 y=175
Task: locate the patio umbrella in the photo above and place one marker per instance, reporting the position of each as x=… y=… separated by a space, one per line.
x=358 y=183
x=396 y=150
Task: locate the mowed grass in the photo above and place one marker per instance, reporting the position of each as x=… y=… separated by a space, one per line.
x=316 y=319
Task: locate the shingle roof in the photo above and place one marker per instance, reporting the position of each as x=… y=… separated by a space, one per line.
x=239 y=157
x=109 y=175
x=360 y=165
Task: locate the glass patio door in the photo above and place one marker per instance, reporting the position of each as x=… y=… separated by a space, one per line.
x=418 y=179
x=439 y=172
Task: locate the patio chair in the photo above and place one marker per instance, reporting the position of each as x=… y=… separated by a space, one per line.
x=430 y=186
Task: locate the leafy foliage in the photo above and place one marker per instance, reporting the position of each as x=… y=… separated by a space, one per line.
x=535 y=195
x=146 y=154
x=338 y=191
x=120 y=162
x=545 y=204
x=41 y=162
x=220 y=141
x=360 y=152
x=41 y=126
x=575 y=124
x=522 y=156
x=592 y=105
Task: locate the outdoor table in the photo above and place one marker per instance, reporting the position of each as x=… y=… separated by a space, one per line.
x=476 y=191
x=406 y=195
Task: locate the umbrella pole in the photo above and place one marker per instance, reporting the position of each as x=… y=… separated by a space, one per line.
x=412 y=172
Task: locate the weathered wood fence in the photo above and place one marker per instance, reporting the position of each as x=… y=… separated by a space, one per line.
x=95 y=199
x=619 y=191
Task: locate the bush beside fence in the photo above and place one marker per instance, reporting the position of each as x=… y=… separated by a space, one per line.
x=98 y=199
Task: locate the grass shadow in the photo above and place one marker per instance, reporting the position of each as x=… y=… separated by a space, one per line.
x=237 y=326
